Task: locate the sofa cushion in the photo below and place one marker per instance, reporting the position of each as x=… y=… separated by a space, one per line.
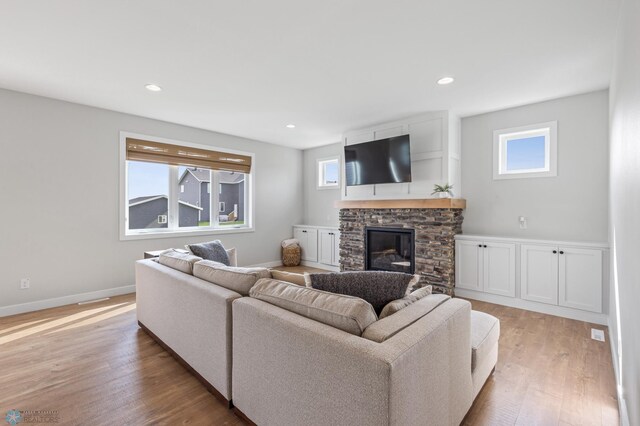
x=237 y=279
x=376 y=287
x=290 y=277
x=182 y=262
x=213 y=250
x=394 y=306
x=387 y=327
x=347 y=313
x=485 y=332
x=231 y=252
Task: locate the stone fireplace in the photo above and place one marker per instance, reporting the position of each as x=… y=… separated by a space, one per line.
x=432 y=224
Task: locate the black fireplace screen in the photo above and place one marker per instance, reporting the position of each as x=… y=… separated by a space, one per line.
x=390 y=249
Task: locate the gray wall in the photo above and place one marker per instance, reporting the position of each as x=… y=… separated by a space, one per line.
x=145 y=215
x=64 y=231
x=205 y=201
x=188 y=216
x=571 y=206
x=233 y=193
x=318 y=203
x=625 y=209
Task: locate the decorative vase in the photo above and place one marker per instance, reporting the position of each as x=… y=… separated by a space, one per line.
x=443 y=195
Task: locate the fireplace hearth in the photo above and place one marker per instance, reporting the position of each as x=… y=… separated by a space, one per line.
x=390 y=249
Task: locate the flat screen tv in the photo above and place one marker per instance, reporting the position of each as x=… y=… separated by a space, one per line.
x=382 y=161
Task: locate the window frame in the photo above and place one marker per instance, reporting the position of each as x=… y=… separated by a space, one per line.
x=173 y=230
x=320 y=172
x=501 y=138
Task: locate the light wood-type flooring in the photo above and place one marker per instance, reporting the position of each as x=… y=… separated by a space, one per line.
x=95 y=366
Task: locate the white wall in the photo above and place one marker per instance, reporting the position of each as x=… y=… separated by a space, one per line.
x=318 y=203
x=625 y=210
x=59 y=185
x=571 y=206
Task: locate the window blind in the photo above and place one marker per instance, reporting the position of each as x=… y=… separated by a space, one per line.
x=177 y=155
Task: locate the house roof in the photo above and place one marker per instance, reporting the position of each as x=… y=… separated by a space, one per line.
x=231 y=177
x=201 y=175
x=141 y=200
x=146 y=199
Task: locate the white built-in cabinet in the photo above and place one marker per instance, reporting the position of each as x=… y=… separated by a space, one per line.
x=319 y=244
x=328 y=247
x=532 y=273
x=486 y=266
x=308 y=239
x=566 y=276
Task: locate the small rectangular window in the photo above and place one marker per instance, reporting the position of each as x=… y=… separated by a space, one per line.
x=525 y=152
x=221 y=208
x=182 y=189
x=329 y=173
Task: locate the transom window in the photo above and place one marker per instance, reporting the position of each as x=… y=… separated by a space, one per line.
x=526 y=152
x=329 y=173
x=164 y=193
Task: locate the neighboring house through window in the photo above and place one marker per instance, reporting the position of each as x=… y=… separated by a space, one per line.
x=526 y=152
x=165 y=198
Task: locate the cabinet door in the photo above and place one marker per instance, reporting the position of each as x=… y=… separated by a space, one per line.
x=580 y=279
x=326 y=246
x=499 y=267
x=301 y=235
x=539 y=273
x=308 y=243
x=312 y=246
x=336 y=248
x=468 y=264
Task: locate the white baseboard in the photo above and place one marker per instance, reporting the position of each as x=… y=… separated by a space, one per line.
x=320 y=266
x=64 y=300
x=559 y=311
x=622 y=404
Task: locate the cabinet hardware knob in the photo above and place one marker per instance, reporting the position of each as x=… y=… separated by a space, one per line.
x=485 y=246
x=561 y=252
x=480 y=245
x=555 y=251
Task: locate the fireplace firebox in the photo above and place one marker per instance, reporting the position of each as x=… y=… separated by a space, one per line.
x=389 y=249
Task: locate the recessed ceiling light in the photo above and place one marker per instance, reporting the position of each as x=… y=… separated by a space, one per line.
x=153 y=87
x=445 y=80
x=291 y=126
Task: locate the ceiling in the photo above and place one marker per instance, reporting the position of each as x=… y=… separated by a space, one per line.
x=249 y=68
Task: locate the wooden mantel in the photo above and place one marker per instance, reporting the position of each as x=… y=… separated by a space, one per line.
x=422 y=203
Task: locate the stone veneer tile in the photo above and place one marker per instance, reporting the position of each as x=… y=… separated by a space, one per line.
x=435 y=231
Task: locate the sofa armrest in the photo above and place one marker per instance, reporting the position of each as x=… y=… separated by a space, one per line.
x=191 y=316
x=288 y=369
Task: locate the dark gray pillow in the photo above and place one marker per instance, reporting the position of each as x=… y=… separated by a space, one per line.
x=376 y=287
x=213 y=250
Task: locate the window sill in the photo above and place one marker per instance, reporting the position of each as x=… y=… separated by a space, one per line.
x=322 y=188
x=526 y=175
x=184 y=233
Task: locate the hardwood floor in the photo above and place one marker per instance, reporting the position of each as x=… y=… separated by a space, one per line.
x=549 y=372
x=94 y=366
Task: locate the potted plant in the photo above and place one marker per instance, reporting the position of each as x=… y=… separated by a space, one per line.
x=442 y=191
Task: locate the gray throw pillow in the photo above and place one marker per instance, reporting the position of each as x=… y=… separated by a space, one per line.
x=376 y=287
x=213 y=250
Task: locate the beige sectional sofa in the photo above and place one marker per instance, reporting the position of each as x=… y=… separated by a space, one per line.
x=286 y=354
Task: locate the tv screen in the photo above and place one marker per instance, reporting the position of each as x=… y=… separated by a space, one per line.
x=381 y=161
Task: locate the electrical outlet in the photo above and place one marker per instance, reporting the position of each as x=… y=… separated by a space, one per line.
x=597 y=334
x=25 y=283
